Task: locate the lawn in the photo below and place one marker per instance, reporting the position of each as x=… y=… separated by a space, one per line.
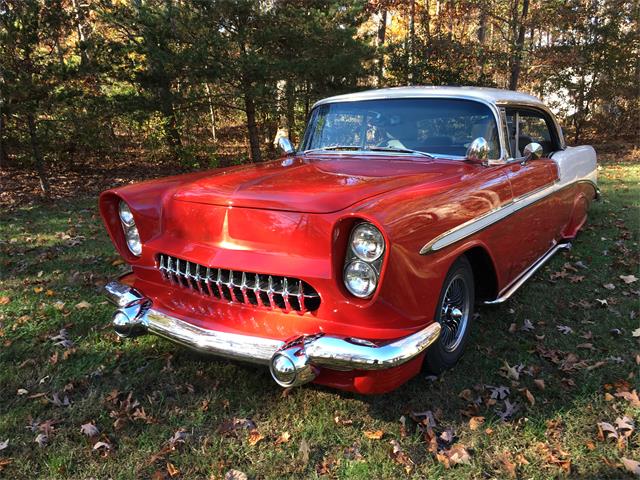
x=542 y=392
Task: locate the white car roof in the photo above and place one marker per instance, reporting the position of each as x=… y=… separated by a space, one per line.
x=483 y=94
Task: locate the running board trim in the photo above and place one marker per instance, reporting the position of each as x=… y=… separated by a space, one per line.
x=527 y=274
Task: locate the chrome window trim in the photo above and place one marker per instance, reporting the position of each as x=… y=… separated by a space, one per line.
x=539 y=106
x=475 y=225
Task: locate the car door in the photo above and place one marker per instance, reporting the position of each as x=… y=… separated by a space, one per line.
x=534 y=225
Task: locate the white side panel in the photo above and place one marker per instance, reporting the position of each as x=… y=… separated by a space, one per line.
x=576 y=163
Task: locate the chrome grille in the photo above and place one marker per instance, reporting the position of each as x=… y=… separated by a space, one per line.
x=257 y=289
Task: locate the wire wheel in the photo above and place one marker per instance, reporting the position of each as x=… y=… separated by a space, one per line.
x=454 y=313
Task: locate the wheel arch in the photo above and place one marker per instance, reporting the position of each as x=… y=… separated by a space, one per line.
x=485 y=277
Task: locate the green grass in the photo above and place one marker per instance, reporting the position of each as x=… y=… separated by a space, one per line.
x=61 y=253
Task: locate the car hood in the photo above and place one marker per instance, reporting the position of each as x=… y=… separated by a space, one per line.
x=315 y=184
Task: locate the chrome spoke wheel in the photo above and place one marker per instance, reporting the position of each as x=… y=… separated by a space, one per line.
x=454 y=313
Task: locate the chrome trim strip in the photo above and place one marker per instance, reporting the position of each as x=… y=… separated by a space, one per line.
x=487 y=219
x=322 y=350
x=527 y=274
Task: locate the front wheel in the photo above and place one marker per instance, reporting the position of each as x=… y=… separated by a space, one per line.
x=455 y=315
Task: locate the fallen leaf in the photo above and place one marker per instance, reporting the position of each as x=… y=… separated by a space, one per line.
x=608 y=397
x=606 y=430
x=83 y=304
x=42 y=439
x=283 y=438
x=22 y=391
x=529 y=396
x=631 y=465
x=453 y=456
x=475 y=422
x=235 y=475
x=304 y=451
x=586 y=346
x=373 y=435
x=500 y=392
x=512 y=373
x=4 y=300
x=509 y=410
x=631 y=397
x=172 y=470
x=400 y=457
x=564 y=329
x=505 y=460
x=628 y=278
x=255 y=437
x=4 y=445
x=178 y=437
x=539 y=382
x=636 y=333
x=609 y=286
x=466 y=394
x=527 y=326
x=89 y=429
x=513 y=327
x=104 y=446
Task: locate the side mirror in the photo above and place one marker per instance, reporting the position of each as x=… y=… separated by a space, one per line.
x=285 y=145
x=533 y=151
x=478 y=151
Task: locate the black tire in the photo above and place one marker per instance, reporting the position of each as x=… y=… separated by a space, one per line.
x=457 y=293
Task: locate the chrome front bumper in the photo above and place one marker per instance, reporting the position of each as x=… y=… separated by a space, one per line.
x=293 y=362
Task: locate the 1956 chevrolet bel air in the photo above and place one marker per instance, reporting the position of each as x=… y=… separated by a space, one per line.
x=356 y=260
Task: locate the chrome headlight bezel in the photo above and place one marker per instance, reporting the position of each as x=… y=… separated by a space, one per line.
x=367 y=242
x=370 y=265
x=129 y=228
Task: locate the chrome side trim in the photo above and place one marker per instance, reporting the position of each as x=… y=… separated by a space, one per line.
x=487 y=219
x=135 y=316
x=527 y=274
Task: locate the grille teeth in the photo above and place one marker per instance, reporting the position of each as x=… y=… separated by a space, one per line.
x=257 y=289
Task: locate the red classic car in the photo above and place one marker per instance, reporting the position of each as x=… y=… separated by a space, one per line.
x=356 y=260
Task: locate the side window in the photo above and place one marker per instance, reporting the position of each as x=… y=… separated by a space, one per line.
x=526 y=126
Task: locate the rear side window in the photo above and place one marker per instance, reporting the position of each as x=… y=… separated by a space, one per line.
x=526 y=126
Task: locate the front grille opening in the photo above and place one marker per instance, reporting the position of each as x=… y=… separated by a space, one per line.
x=260 y=290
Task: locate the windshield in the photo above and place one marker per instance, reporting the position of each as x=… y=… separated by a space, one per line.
x=437 y=126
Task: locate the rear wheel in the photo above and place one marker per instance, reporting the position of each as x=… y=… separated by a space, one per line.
x=455 y=315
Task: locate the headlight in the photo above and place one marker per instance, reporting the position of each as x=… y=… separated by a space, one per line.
x=133 y=240
x=130 y=230
x=360 y=279
x=367 y=242
x=125 y=214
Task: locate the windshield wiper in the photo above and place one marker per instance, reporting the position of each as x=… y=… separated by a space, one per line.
x=399 y=150
x=334 y=147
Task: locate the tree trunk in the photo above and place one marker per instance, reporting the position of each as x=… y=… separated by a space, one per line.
x=79 y=19
x=4 y=156
x=382 y=33
x=212 y=115
x=37 y=155
x=170 y=119
x=290 y=104
x=412 y=42
x=516 y=58
x=482 y=26
x=252 y=127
